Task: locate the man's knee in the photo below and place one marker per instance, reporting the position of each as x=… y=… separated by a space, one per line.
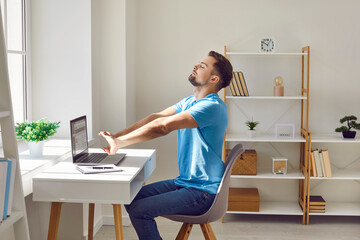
x=138 y=210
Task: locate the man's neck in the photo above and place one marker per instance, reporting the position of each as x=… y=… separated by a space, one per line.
x=200 y=93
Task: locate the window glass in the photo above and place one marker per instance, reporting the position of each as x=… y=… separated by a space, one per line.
x=2 y=9
x=14 y=25
x=16 y=75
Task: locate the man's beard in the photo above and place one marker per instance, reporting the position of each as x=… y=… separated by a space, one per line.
x=192 y=80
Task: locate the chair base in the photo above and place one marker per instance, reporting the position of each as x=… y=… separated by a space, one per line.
x=186 y=228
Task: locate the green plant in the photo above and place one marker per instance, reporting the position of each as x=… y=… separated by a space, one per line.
x=36 y=131
x=251 y=124
x=350 y=122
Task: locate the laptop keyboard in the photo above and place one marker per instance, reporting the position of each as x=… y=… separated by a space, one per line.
x=93 y=158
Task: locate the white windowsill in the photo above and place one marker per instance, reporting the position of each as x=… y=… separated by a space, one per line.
x=55 y=150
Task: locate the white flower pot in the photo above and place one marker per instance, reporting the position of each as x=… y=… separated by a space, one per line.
x=36 y=149
x=251 y=133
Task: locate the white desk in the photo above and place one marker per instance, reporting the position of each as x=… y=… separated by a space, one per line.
x=63 y=183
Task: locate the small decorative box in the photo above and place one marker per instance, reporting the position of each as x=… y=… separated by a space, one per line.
x=279 y=165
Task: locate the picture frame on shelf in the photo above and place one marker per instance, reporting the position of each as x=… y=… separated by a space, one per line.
x=285 y=130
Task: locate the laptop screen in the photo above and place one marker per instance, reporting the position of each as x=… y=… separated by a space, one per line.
x=79 y=142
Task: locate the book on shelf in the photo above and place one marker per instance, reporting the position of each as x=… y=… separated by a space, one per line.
x=6 y=186
x=243 y=84
x=317 y=210
x=318 y=163
x=235 y=85
x=317 y=200
x=238 y=83
x=312 y=164
x=3 y=178
x=327 y=164
x=232 y=88
x=317 y=207
x=322 y=164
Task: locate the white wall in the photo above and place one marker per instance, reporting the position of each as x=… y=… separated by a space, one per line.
x=174 y=35
x=108 y=65
x=61 y=61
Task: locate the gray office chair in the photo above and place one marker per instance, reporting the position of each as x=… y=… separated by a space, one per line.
x=217 y=209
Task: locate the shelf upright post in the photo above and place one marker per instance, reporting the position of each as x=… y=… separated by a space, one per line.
x=224 y=142
x=305 y=147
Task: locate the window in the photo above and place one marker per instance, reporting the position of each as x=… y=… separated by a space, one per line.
x=15 y=24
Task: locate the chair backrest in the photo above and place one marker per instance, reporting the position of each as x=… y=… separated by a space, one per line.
x=220 y=204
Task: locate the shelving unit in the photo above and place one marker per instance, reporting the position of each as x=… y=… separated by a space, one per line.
x=17 y=220
x=297 y=177
x=348 y=174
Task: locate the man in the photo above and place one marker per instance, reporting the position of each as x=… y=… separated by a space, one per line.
x=201 y=121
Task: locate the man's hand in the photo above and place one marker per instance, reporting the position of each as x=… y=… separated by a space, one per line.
x=112 y=147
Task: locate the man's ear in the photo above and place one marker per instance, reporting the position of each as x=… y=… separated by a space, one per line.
x=215 y=79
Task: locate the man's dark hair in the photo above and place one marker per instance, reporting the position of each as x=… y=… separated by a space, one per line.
x=222 y=68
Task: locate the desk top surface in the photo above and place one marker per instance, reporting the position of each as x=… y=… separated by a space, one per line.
x=132 y=164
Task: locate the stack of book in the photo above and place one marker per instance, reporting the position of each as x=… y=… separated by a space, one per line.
x=317 y=204
x=7 y=178
x=237 y=85
x=320 y=165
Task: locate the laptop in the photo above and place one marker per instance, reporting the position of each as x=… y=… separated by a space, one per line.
x=79 y=147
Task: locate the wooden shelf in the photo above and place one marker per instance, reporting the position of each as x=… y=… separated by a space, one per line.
x=8 y=222
x=267 y=54
x=266 y=98
x=340 y=209
x=275 y=208
x=294 y=175
x=4 y=114
x=261 y=138
x=267 y=174
x=332 y=138
x=342 y=175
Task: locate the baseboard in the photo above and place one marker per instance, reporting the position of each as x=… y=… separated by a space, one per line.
x=109 y=220
x=98 y=225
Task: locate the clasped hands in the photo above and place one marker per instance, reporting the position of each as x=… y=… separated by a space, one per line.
x=114 y=144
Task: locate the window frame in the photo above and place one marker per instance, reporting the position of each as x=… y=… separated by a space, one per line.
x=26 y=53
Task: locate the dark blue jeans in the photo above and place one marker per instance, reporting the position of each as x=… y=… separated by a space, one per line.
x=164 y=198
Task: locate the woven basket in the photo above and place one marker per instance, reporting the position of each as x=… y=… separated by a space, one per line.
x=246 y=163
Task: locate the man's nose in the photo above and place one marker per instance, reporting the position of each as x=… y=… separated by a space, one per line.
x=196 y=67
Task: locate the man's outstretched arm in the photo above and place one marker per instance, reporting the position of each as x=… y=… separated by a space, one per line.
x=165 y=113
x=161 y=126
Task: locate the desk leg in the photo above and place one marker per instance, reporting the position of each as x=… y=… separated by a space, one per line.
x=91 y=221
x=54 y=220
x=118 y=222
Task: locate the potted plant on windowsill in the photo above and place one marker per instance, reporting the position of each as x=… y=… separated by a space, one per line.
x=251 y=125
x=35 y=133
x=351 y=123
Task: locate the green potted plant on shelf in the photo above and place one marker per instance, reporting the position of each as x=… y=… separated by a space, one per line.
x=251 y=127
x=350 y=123
x=35 y=133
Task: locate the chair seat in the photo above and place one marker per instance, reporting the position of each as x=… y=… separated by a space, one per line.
x=201 y=219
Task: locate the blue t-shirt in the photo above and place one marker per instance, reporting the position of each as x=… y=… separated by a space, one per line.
x=199 y=149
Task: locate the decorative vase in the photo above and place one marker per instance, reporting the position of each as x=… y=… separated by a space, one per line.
x=251 y=133
x=349 y=134
x=36 y=149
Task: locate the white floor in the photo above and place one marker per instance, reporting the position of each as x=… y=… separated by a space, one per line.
x=257 y=227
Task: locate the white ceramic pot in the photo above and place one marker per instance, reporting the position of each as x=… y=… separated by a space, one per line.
x=251 y=133
x=36 y=149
